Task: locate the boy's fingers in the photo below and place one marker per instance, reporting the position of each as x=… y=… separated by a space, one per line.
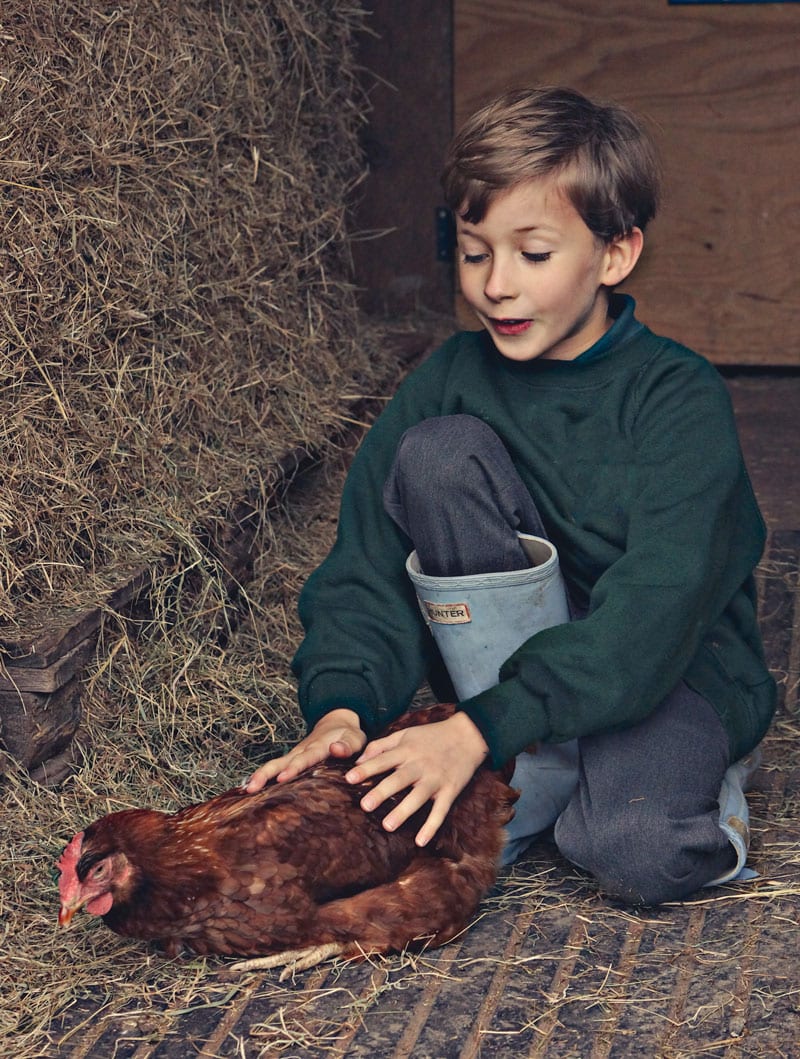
x=398 y=779
x=347 y=743
x=296 y=764
x=436 y=818
x=255 y=782
x=281 y=768
x=366 y=768
x=338 y=738
x=376 y=747
x=411 y=804
x=263 y=774
x=413 y=801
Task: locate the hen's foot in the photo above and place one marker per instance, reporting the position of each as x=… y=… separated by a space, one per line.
x=292 y=961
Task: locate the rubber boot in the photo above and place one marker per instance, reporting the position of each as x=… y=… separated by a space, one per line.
x=477 y=621
x=734 y=815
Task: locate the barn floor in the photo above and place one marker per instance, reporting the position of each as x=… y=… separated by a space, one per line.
x=550 y=969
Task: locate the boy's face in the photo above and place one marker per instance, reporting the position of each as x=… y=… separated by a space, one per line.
x=536 y=275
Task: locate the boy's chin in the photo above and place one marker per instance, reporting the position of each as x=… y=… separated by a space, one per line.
x=521 y=352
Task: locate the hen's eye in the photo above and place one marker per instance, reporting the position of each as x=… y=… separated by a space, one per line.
x=99 y=871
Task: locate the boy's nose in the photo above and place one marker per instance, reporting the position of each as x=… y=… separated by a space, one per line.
x=499 y=283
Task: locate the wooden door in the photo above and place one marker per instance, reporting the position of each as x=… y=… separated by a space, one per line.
x=720 y=85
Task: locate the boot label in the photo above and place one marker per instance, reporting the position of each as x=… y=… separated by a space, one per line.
x=447 y=613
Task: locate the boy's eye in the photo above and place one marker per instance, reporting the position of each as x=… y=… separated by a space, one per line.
x=538 y=258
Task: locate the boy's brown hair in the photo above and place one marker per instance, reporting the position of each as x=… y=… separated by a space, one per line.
x=607 y=162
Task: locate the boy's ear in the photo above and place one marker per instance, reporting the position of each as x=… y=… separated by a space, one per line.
x=622 y=253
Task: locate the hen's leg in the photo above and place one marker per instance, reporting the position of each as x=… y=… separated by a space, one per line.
x=292 y=960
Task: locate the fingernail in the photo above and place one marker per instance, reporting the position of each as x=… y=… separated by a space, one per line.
x=366 y=805
x=352 y=776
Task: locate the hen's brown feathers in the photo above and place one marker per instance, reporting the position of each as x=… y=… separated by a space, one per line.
x=297 y=864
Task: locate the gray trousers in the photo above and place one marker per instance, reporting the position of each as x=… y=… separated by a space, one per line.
x=644 y=817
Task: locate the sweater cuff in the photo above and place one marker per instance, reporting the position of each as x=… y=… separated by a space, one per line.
x=339 y=691
x=506 y=732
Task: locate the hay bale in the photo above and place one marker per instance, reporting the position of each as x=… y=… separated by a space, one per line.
x=176 y=310
x=175 y=304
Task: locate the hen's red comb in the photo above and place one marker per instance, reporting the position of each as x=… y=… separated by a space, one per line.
x=67 y=863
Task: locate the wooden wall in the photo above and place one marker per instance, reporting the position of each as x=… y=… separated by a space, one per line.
x=407 y=56
x=721 y=85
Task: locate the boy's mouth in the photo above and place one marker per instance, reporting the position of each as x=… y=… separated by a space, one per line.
x=511 y=327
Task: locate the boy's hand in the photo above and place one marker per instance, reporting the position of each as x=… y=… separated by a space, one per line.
x=337 y=734
x=436 y=761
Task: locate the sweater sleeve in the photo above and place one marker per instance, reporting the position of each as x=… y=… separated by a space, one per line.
x=694 y=535
x=365 y=645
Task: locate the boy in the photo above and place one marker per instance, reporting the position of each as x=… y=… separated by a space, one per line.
x=565 y=419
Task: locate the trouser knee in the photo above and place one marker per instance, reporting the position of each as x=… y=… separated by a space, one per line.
x=623 y=867
x=441 y=450
x=454 y=491
x=641 y=866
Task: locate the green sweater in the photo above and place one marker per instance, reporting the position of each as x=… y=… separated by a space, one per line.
x=632 y=457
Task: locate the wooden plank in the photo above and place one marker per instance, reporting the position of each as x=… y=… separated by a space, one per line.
x=720 y=85
x=14 y=679
x=47 y=638
x=407 y=61
x=35 y=727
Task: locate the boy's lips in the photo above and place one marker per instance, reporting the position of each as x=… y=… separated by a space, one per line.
x=511 y=327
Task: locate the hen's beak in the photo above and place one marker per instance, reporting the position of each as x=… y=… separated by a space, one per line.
x=65 y=914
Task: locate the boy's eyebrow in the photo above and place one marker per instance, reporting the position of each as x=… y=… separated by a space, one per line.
x=468 y=226
x=464 y=229
x=552 y=229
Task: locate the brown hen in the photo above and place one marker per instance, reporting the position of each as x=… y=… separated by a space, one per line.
x=297 y=872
